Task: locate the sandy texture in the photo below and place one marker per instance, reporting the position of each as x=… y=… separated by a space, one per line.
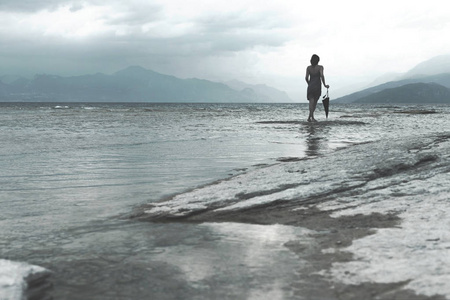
x=381 y=231
x=332 y=235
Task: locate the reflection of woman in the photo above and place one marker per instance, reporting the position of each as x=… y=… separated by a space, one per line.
x=314 y=77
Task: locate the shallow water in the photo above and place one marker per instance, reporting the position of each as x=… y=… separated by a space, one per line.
x=72 y=173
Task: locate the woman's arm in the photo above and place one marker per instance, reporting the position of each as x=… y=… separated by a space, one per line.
x=307 y=75
x=323 y=78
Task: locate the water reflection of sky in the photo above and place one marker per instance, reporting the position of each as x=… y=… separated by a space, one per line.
x=323 y=137
x=251 y=259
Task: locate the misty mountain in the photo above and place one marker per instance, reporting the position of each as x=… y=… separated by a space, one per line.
x=428 y=71
x=9 y=78
x=133 y=84
x=424 y=93
x=261 y=91
x=440 y=79
x=4 y=89
x=387 y=77
x=436 y=65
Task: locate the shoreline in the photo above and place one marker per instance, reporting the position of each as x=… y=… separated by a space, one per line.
x=339 y=215
x=331 y=236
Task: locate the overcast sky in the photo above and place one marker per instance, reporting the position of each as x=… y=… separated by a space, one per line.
x=255 y=41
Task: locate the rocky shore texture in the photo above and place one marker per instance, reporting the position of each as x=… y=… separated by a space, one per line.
x=20 y=281
x=375 y=211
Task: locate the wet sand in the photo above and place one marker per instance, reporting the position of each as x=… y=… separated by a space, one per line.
x=385 y=181
x=330 y=233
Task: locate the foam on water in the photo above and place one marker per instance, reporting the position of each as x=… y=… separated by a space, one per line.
x=13 y=277
x=344 y=170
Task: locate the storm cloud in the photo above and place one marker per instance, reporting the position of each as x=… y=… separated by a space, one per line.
x=91 y=34
x=254 y=41
x=30 y=5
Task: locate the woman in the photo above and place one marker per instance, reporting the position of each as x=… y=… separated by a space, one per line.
x=314 y=77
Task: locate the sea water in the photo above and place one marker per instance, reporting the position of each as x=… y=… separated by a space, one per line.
x=72 y=173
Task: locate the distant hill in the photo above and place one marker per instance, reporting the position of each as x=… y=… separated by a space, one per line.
x=133 y=84
x=436 y=65
x=410 y=93
x=260 y=91
x=440 y=79
x=436 y=69
x=9 y=78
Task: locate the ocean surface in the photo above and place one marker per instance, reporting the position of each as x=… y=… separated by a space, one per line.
x=72 y=174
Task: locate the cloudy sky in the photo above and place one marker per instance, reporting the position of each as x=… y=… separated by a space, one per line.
x=256 y=41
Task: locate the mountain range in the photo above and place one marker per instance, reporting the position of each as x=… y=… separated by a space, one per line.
x=423 y=93
x=133 y=84
x=428 y=82
x=438 y=87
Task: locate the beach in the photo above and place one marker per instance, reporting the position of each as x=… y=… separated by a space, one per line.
x=370 y=222
x=225 y=201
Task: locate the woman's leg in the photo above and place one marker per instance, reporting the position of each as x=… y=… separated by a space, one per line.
x=315 y=103
x=311 y=110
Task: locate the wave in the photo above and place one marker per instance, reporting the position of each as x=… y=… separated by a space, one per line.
x=381 y=204
x=351 y=172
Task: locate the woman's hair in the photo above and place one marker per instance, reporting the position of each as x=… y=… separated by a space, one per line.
x=315 y=59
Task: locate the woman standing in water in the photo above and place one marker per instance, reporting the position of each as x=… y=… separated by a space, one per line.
x=314 y=77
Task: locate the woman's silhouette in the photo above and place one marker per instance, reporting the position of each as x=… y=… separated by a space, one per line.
x=314 y=77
